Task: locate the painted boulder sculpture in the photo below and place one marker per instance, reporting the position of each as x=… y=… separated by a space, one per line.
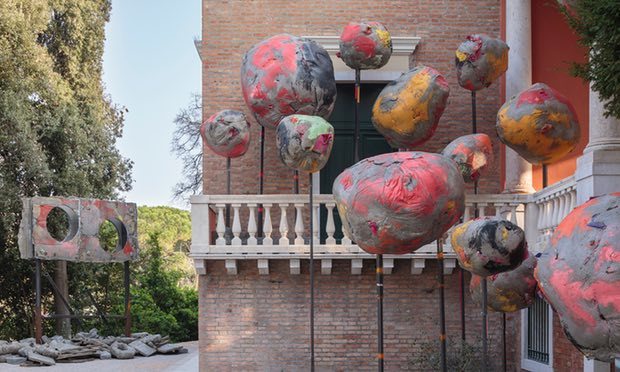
x=408 y=109
x=395 y=203
x=480 y=60
x=286 y=75
x=539 y=124
x=365 y=45
x=304 y=142
x=579 y=275
x=472 y=154
x=227 y=133
x=509 y=291
x=488 y=246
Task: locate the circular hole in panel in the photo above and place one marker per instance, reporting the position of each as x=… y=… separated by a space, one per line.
x=112 y=235
x=58 y=225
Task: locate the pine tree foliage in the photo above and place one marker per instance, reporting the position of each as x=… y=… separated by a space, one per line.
x=597 y=25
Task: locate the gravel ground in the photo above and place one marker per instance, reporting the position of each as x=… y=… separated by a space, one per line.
x=166 y=363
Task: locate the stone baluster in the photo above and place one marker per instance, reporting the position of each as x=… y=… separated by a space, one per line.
x=330 y=227
x=283 y=225
x=315 y=223
x=252 y=228
x=299 y=225
x=267 y=228
x=236 y=227
x=220 y=228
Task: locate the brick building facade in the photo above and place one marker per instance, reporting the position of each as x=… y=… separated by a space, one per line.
x=253 y=321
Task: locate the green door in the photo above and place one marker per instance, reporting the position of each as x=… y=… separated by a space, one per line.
x=371 y=142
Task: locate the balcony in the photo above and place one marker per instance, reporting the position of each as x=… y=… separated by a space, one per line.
x=285 y=235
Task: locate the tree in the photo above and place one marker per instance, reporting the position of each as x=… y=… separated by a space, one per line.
x=58 y=130
x=596 y=23
x=187 y=145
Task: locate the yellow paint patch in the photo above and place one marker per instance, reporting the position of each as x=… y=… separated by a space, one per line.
x=409 y=109
x=499 y=65
x=384 y=36
x=461 y=56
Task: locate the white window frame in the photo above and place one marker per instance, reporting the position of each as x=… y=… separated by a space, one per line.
x=529 y=364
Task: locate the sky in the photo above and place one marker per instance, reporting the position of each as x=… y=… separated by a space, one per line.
x=152 y=67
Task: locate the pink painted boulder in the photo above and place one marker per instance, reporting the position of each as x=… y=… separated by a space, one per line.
x=227 y=133
x=397 y=202
x=285 y=75
x=579 y=275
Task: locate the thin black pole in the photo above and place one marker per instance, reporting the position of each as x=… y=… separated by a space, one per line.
x=356 y=134
x=484 y=325
x=545 y=175
x=310 y=192
x=127 y=300
x=442 y=305
x=474 y=129
x=261 y=180
x=462 y=284
x=228 y=226
x=295 y=182
x=504 y=356
x=38 y=323
x=379 y=272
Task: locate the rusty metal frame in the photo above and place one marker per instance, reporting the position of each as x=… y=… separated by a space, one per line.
x=38 y=315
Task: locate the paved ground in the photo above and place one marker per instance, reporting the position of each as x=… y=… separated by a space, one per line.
x=166 y=363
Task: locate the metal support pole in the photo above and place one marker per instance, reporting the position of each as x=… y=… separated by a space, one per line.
x=228 y=226
x=295 y=182
x=545 y=176
x=356 y=134
x=261 y=180
x=127 y=300
x=442 y=309
x=310 y=192
x=504 y=355
x=474 y=128
x=38 y=323
x=379 y=272
x=484 y=326
x=462 y=284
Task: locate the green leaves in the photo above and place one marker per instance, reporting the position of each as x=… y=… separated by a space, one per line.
x=58 y=131
x=596 y=23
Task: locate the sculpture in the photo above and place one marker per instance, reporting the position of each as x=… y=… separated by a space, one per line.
x=408 y=109
x=539 y=123
x=579 y=275
x=395 y=203
x=285 y=75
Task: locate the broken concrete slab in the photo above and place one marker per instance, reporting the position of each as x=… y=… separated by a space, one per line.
x=36 y=357
x=122 y=351
x=142 y=348
x=14 y=359
x=11 y=348
x=169 y=348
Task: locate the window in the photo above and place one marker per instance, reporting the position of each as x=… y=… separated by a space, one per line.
x=536 y=337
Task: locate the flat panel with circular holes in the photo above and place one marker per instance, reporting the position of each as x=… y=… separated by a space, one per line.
x=74 y=229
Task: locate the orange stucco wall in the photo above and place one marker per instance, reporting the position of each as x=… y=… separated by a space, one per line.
x=554 y=47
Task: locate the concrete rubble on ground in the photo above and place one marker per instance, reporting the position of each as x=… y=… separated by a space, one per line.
x=84 y=346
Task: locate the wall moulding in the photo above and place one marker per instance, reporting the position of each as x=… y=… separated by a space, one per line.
x=402 y=48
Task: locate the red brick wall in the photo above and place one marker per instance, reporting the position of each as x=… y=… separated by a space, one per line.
x=566 y=357
x=231 y=27
x=257 y=322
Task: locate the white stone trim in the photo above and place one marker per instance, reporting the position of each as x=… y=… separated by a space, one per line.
x=528 y=364
x=402 y=48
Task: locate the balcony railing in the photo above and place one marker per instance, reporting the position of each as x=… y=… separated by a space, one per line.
x=285 y=235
